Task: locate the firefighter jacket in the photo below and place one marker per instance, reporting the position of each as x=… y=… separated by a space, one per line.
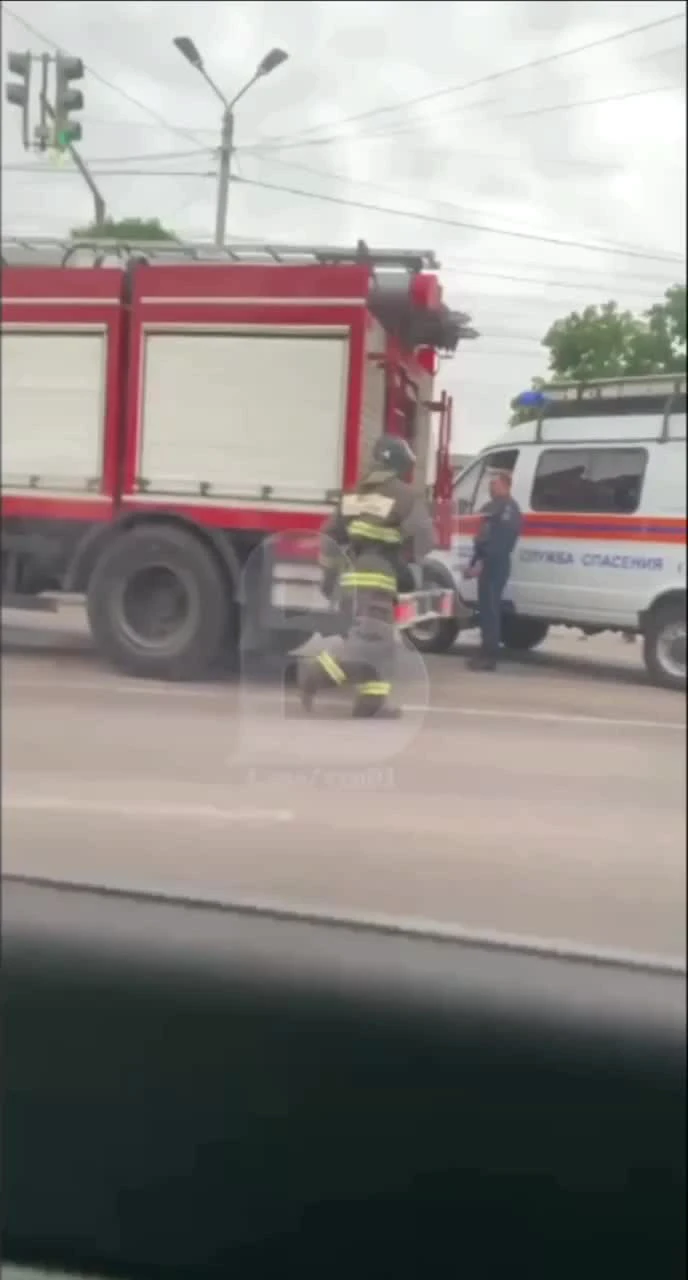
x=367 y=540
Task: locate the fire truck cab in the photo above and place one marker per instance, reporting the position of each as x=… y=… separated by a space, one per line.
x=177 y=423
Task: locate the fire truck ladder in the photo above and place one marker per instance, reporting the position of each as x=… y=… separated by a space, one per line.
x=42 y=251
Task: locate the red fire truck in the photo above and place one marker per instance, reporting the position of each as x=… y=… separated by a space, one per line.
x=177 y=422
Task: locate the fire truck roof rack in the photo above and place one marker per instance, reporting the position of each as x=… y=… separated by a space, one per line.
x=68 y=251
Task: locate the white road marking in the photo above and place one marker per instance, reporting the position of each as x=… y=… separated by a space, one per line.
x=110 y=808
x=130 y=688
x=552 y=717
x=147 y=689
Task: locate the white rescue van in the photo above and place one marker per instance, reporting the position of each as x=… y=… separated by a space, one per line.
x=601 y=480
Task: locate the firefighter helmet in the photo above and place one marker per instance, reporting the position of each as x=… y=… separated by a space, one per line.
x=395 y=454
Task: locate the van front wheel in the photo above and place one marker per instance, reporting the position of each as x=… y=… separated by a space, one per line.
x=437 y=635
x=521 y=634
x=665 y=644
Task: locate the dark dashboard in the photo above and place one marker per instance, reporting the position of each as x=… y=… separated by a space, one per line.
x=196 y=1090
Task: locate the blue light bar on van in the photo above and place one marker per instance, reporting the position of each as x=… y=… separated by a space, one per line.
x=532 y=399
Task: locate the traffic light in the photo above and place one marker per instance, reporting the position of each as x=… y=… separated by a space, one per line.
x=18 y=92
x=67 y=100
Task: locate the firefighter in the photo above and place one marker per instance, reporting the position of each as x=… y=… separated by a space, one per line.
x=497 y=536
x=374 y=534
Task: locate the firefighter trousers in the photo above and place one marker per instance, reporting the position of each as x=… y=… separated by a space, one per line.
x=363 y=659
x=331 y=669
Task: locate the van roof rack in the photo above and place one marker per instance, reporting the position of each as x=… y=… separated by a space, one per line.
x=662 y=394
x=653 y=384
x=67 y=250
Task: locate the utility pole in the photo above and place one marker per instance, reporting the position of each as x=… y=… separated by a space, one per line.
x=224 y=177
x=274 y=58
x=42 y=134
x=99 y=206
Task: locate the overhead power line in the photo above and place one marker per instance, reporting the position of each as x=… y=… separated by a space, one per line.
x=430 y=200
x=582 y=287
x=454 y=111
x=436 y=219
x=33 y=171
x=533 y=63
x=551 y=108
x=495 y=76
x=182 y=131
x=147 y=157
x=460 y=223
x=424 y=123
x=109 y=167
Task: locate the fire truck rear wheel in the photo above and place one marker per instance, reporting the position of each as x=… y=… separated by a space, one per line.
x=158 y=604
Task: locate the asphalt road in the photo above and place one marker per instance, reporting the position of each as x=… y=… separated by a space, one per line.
x=545 y=801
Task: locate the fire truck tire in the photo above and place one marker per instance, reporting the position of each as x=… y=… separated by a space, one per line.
x=521 y=634
x=158 y=604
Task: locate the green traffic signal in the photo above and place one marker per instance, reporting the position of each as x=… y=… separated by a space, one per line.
x=66 y=137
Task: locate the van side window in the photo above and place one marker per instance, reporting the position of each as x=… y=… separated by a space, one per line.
x=602 y=481
x=470 y=488
x=464 y=488
x=500 y=460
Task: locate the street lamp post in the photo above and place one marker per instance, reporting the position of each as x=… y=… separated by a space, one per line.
x=273 y=59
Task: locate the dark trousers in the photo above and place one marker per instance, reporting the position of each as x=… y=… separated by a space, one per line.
x=491 y=586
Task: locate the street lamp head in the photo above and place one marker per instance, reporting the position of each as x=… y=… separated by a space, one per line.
x=189 y=51
x=273 y=59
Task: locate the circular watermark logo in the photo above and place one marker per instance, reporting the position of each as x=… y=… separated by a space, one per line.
x=291 y=625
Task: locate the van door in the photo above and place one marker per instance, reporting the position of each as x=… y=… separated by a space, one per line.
x=579 y=561
x=463 y=489
x=471 y=492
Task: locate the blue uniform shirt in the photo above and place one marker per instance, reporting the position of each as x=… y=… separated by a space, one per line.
x=499 y=532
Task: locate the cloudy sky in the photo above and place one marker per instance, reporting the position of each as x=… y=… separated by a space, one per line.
x=544 y=176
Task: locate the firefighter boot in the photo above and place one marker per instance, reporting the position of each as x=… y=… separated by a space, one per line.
x=371 y=701
x=318 y=674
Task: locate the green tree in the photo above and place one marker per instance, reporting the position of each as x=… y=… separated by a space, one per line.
x=599 y=342
x=665 y=336
x=133 y=230
x=605 y=342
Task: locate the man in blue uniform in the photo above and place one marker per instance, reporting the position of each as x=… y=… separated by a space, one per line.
x=497 y=536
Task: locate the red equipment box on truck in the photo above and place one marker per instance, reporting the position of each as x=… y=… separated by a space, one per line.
x=177 y=426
